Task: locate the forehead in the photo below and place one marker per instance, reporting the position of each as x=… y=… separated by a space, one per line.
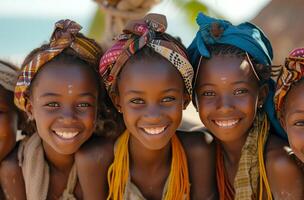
x=295 y=97
x=226 y=67
x=151 y=71
x=61 y=74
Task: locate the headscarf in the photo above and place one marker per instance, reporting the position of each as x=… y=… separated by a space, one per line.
x=8 y=77
x=66 y=35
x=136 y=35
x=245 y=36
x=291 y=72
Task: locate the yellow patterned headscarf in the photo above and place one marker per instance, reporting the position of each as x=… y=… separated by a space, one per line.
x=66 y=35
x=291 y=72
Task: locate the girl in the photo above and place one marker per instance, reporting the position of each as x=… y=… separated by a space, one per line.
x=10 y=118
x=148 y=77
x=230 y=90
x=288 y=100
x=60 y=91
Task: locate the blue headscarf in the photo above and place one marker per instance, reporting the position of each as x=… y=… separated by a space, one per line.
x=245 y=36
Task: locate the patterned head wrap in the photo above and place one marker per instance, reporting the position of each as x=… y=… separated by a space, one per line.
x=136 y=35
x=66 y=35
x=291 y=72
x=245 y=36
x=8 y=77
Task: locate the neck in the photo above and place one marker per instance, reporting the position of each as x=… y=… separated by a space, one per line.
x=56 y=160
x=146 y=159
x=233 y=149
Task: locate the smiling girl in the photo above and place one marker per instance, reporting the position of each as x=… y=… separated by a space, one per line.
x=289 y=100
x=148 y=77
x=229 y=91
x=60 y=91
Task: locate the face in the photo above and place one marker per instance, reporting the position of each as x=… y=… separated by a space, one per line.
x=8 y=123
x=63 y=104
x=293 y=119
x=151 y=98
x=227 y=96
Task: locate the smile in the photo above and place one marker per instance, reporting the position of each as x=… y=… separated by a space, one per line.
x=226 y=123
x=66 y=135
x=154 y=131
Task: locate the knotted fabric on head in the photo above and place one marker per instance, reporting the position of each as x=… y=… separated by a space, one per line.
x=136 y=35
x=245 y=36
x=8 y=77
x=66 y=35
x=291 y=72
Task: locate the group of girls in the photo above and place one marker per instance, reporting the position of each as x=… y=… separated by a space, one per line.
x=103 y=124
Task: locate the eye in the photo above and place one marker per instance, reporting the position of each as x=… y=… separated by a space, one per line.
x=168 y=99
x=299 y=123
x=84 y=105
x=240 y=91
x=208 y=93
x=52 y=104
x=137 y=101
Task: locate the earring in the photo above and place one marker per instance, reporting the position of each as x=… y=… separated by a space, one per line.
x=260 y=106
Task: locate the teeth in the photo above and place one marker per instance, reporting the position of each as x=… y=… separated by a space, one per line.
x=226 y=123
x=66 y=135
x=154 y=131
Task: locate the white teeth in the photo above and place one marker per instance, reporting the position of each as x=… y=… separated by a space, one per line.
x=154 y=131
x=66 y=135
x=226 y=123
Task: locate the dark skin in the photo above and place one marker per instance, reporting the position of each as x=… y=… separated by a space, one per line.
x=10 y=174
x=228 y=95
x=64 y=107
x=293 y=118
x=151 y=99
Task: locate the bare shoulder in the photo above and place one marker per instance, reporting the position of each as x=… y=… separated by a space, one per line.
x=285 y=177
x=93 y=160
x=11 y=177
x=201 y=164
x=97 y=149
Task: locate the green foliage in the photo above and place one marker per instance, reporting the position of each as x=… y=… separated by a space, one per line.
x=97 y=25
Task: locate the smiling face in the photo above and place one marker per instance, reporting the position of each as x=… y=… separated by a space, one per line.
x=151 y=98
x=8 y=122
x=63 y=103
x=293 y=119
x=227 y=96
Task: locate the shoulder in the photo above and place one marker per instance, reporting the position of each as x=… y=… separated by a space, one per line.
x=11 y=176
x=10 y=165
x=285 y=177
x=196 y=142
x=96 y=150
x=200 y=151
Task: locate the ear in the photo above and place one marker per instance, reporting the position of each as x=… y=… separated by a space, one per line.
x=263 y=92
x=186 y=100
x=29 y=110
x=116 y=101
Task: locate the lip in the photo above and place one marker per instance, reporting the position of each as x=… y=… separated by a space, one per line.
x=66 y=133
x=226 y=123
x=154 y=130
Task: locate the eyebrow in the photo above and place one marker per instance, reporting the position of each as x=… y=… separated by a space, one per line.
x=297 y=112
x=240 y=82
x=50 y=94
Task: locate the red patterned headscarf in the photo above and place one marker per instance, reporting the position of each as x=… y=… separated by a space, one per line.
x=291 y=72
x=136 y=35
x=66 y=35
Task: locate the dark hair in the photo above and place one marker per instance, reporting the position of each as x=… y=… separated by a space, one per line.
x=109 y=121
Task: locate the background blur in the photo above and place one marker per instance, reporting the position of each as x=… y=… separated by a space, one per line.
x=25 y=25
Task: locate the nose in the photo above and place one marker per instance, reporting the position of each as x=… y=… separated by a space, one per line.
x=67 y=115
x=225 y=103
x=152 y=114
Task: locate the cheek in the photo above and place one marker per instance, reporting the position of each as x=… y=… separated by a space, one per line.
x=8 y=124
x=295 y=137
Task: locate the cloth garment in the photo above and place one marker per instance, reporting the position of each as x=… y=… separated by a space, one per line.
x=8 y=77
